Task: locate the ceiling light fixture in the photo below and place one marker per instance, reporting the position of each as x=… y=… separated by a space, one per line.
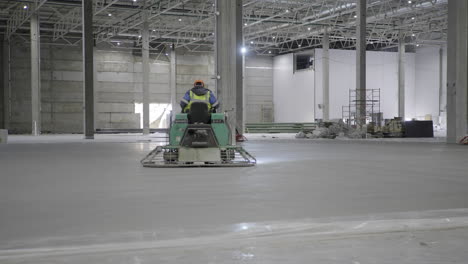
x=251 y=42
x=269 y=52
x=109 y=14
x=243 y=50
x=180 y=19
x=25 y=7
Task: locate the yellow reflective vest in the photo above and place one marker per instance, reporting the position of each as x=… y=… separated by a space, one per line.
x=198 y=98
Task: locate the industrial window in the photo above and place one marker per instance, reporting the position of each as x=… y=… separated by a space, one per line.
x=303 y=61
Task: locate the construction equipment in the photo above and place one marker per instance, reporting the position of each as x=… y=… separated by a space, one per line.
x=394 y=128
x=199 y=139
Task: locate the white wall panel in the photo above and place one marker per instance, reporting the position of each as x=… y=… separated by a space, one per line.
x=427 y=81
x=293 y=92
x=382 y=73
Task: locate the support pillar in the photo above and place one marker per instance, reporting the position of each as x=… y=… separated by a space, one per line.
x=2 y=87
x=95 y=92
x=441 y=83
x=361 y=63
x=241 y=125
x=229 y=61
x=173 y=83
x=145 y=67
x=401 y=76
x=35 y=76
x=88 y=71
x=6 y=84
x=457 y=70
x=326 y=76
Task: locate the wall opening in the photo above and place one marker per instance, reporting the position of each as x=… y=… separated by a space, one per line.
x=159 y=114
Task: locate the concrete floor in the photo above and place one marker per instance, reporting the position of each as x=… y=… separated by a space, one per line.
x=330 y=201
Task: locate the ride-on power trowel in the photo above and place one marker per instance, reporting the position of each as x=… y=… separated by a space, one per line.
x=199 y=139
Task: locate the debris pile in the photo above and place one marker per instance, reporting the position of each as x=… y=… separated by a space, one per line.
x=332 y=130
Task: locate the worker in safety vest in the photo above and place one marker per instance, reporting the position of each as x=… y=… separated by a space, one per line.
x=199 y=94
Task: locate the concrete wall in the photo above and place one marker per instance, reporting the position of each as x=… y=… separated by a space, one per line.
x=381 y=73
x=293 y=92
x=118 y=86
x=296 y=103
x=258 y=89
x=428 y=81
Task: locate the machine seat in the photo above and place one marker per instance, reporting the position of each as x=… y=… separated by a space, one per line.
x=199 y=113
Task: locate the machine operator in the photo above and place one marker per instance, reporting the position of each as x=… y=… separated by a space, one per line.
x=199 y=94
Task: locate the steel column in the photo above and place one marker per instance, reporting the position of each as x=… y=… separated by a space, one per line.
x=361 y=63
x=3 y=87
x=88 y=71
x=229 y=61
x=95 y=85
x=6 y=84
x=326 y=76
x=173 y=82
x=35 y=76
x=441 y=84
x=401 y=76
x=145 y=67
x=457 y=72
x=241 y=127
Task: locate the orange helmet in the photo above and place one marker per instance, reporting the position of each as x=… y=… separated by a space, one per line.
x=199 y=83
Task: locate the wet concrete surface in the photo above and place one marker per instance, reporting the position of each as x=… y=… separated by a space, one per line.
x=97 y=193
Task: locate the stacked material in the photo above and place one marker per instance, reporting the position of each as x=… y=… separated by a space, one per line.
x=279 y=127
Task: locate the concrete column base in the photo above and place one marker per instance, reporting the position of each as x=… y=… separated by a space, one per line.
x=3 y=136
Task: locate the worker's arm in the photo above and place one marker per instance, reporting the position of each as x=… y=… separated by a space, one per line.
x=213 y=101
x=185 y=100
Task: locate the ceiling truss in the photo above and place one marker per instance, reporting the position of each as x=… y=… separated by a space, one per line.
x=271 y=27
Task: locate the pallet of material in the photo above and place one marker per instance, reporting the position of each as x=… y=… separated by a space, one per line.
x=279 y=127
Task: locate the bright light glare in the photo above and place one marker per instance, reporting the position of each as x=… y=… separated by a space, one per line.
x=243 y=50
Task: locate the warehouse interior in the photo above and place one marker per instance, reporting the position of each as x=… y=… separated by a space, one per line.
x=340 y=136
